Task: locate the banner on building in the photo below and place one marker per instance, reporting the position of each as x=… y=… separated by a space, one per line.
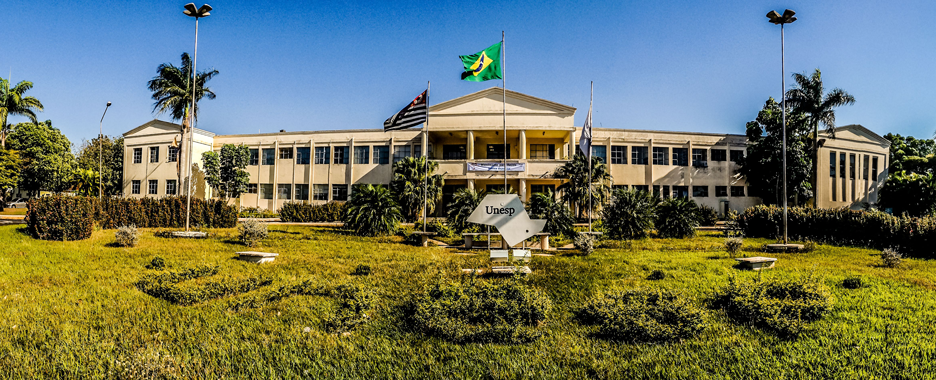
x=495 y=167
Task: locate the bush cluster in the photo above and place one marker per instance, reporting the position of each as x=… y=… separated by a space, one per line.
x=353 y=302
x=302 y=212
x=60 y=217
x=251 y=232
x=642 y=316
x=677 y=218
x=127 y=236
x=854 y=282
x=891 y=258
x=168 y=286
x=871 y=229
x=256 y=212
x=438 y=226
x=785 y=307
x=708 y=216
x=474 y=310
x=156 y=264
x=166 y=212
x=585 y=243
x=630 y=214
x=733 y=245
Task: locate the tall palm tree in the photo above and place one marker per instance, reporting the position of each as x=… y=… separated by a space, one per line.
x=575 y=190
x=172 y=89
x=409 y=176
x=809 y=97
x=464 y=202
x=13 y=102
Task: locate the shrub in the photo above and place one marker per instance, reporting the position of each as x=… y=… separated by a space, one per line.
x=733 y=245
x=630 y=214
x=656 y=275
x=708 y=216
x=60 y=217
x=585 y=243
x=251 y=232
x=558 y=217
x=480 y=311
x=852 y=283
x=127 y=236
x=166 y=212
x=361 y=270
x=372 y=211
x=677 y=218
x=891 y=258
x=353 y=302
x=437 y=226
x=785 y=307
x=256 y=212
x=642 y=316
x=304 y=212
x=156 y=264
x=167 y=286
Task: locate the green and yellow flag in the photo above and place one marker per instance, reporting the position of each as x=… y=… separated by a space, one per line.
x=483 y=66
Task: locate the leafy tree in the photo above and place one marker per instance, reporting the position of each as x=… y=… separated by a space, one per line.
x=630 y=214
x=575 y=189
x=372 y=211
x=89 y=159
x=464 y=202
x=808 y=97
x=225 y=172
x=763 y=165
x=677 y=218
x=559 y=220
x=172 y=89
x=86 y=182
x=9 y=172
x=911 y=154
x=47 y=160
x=13 y=102
x=910 y=193
x=408 y=185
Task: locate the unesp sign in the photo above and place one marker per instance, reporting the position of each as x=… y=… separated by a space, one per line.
x=506 y=213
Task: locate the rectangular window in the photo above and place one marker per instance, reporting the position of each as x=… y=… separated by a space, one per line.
x=618 y=187
x=269 y=157
x=721 y=191
x=266 y=191
x=321 y=155
x=600 y=151
x=737 y=191
x=737 y=155
x=543 y=151
x=401 y=151
x=339 y=192
x=851 y=169
x=699 y=158
x=137 y=155
x=303 y=156
x=865 y=166
x=135 y=187
x=382 y=155
x=681 y=156
x=154 y=154
x=496 y=151
x=362 y=155
x=284 y=191
x=680 y=191
x=661 y=191
x=173 y=154
x=254 y=157
x=542 y=188
x=341 y=155
x=832 y=164
x=251 y=188
x=454 y=152
x=170 y=187
x=286 y=153
x=660 y=156
x=644 y=188
x=319 y=192
x=302 y=192
x=842 y=165
x=619 y=154
x=719 y=155
x=700 y=191
x=874 y=168
x=153 y=187
x=639 y=155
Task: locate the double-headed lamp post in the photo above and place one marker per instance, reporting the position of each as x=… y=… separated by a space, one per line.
x=196 y=13
x=101 y=154
x=778 y=19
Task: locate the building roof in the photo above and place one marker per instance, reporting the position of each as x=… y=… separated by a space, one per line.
x=860 y=130
x=165 y=125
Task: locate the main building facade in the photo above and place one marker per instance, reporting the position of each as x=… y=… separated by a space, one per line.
x=466 y=139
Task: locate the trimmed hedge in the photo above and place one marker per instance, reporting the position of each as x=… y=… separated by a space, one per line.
x=785 y=307
x=167 y=212
x=60 y=218
x=642 y=316
x=871 y=229
x=304 y=212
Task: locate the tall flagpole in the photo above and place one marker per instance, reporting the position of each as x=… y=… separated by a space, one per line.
x=426 y=157
x=590 y=100
x=504 y=84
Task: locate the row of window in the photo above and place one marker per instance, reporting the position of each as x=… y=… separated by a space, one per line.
x=852 y=158
x=152 y=187
x=379 y=155
x=661 y=155
x=299 y=192
x=683 y=191
x=173 y=155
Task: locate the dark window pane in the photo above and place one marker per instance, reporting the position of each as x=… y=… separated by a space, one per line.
x=382 y=155
x=454 y=152
x=699 y=158
x=700 y=191
x=362 y=155
x=719 y=155
x=721 y=191
x=639 y=155
x=737 y=191
x=618 y=154
x=303 y=155
x=681 y=156
x=254 y=157
x=660 y=156
x=737 y=155
x=269 y=157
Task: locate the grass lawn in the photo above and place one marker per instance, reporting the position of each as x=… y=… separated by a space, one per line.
x=71 y=310
x=13 y=211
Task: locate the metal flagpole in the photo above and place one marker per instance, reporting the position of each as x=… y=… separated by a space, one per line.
x=504 y=84
x=188 y=170
x=783 y=97
x=426 y=157
x=590 y=100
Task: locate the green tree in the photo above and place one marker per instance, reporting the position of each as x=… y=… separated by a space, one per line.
x=409 y=176
x=9 y=172
x=464 y=202
x=14 y=102
x=677 y=218
x=910 y=193
x=225 y=172
x=372 y=211
x=86 y=182
x=762 y=167
x=911 y=154
x=575 y=190
x=47 y=160
x=559 y=220
x=808 y=97
x=630 y=214
x=89 y=159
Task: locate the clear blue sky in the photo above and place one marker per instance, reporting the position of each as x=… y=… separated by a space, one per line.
x=312 y=65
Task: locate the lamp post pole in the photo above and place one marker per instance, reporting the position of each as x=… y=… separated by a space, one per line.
x=196 y=13
x=778 y=19
x=101 y=154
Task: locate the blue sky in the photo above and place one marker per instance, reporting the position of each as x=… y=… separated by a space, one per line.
x=313 y=65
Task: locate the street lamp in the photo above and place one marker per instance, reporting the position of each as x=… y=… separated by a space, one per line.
x=101 y=155
x=196 y=13
x=777 y=19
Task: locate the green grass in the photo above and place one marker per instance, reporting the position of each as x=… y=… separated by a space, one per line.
x=13 y=211
x=71 y=310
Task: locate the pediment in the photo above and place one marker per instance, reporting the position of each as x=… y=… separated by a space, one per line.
x=856 y=132
x=490 y=101
x=156 y=127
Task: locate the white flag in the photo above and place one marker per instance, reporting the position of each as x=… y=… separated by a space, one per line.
x=586 y=139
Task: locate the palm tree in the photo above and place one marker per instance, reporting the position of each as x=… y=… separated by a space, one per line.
x=575 y=190
x=809 y=97
x=630 y=214
x=12 y=102
x=559 y=220
x=409 y=180
x=172 y=89
x=464 y=202
x=372 y=211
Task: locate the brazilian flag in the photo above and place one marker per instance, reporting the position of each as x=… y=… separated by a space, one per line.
x=483 y=66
